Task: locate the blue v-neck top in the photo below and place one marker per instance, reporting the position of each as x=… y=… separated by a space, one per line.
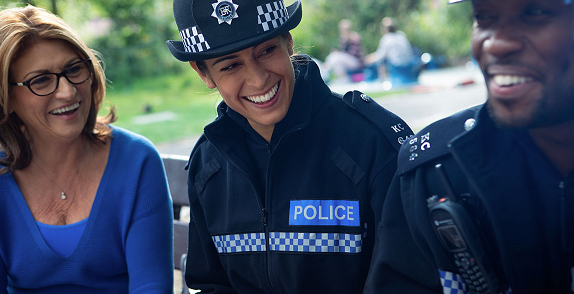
x=126 y=245
x=63 y=239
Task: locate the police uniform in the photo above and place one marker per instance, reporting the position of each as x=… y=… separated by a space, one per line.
x=303 y=220
x=518 y=203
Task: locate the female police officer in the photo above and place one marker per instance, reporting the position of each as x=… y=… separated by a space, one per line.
x=285 y=184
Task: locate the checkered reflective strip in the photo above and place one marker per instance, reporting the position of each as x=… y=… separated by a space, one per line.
x=239 y=242
x=455 y=284
x=452 y=283
x=315 y=242
x=272 y=15
x=193 y=40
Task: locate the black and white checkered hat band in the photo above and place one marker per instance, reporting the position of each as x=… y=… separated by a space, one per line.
x=193 y=40
x=272 y=15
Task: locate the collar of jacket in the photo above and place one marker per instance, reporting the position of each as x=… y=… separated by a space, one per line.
x=309 y=95
x=492 y=158
x=484 y=147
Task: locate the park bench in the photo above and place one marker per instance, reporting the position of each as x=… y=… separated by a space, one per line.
x=177 y=181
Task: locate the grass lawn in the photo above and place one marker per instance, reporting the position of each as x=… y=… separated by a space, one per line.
x=183 y=102
x=184 y=99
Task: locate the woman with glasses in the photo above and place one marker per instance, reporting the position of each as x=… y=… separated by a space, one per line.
x=84 y=206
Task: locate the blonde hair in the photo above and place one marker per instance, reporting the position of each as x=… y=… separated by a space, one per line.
x=21 y=28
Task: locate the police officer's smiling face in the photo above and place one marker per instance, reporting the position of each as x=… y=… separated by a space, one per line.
x=257 y=82
x=525 y=49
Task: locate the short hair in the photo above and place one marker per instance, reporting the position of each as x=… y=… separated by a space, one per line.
x=390 y=24
x=21 y=28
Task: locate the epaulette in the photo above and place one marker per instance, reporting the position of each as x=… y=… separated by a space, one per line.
x=432 y=141
x=392 y=126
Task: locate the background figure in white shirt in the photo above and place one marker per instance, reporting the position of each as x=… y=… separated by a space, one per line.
x=394 y=49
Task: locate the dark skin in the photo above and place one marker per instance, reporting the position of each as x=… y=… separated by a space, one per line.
x=525 y=49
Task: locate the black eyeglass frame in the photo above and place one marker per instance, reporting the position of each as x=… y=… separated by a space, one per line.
x=58 y=76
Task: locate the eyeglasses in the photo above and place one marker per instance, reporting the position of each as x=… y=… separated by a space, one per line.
x=47 y=83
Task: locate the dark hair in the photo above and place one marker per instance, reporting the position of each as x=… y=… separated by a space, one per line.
x=202 y=66
x=389 y=24
x=22 y=28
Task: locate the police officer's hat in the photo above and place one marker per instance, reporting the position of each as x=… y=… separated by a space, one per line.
x=213 y=28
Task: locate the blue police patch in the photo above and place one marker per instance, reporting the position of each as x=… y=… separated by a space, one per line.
x=324 y=213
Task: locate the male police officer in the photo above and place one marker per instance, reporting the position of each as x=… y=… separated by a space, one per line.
x=483 y=200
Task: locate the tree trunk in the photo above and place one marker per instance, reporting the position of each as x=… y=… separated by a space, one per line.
x=54 y=7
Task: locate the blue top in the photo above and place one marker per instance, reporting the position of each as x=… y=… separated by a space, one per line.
x=63 y=239
x=126 y=246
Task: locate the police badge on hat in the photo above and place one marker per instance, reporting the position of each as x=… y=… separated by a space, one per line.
x=225 y=11
x=247 y=23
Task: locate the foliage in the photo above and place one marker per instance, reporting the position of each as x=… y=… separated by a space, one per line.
x=135 y=45
x=442 y=30
x=317 y=34
x=424 y=22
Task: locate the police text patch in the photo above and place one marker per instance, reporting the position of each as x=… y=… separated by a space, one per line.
x=324 y=213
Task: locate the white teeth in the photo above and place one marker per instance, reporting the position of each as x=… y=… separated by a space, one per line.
x=65 y=109
x=264 y=98
x=507 y=80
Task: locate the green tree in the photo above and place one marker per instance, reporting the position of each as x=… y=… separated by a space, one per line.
x=135 y=45
x=441 y=29
x=431 y=25
x=318 y=34
x=53 y=4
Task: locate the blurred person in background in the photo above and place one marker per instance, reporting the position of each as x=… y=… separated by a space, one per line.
x=348 y=58
x=483 y=199
x=394 y=49
x=84 y=206
x=286 y=185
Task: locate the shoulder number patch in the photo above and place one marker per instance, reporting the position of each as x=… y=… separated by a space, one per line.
x=415 y=148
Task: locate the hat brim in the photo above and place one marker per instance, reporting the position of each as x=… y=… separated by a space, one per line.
x=455 y=1
x=177 y=50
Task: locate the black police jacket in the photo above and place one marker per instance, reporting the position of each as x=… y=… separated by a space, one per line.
x=313 y=229
x=519 y=206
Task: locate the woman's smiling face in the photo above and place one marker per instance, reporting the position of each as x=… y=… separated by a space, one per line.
x=62 y=114
x=256 y=82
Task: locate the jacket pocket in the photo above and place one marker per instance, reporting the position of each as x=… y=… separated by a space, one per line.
x=347 y=165
x=205 y=174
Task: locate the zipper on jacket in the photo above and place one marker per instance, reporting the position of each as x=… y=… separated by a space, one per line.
x=566 y=237
x=264 y=211
x=267 y=234
x=270 y=151
x=563 y=225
